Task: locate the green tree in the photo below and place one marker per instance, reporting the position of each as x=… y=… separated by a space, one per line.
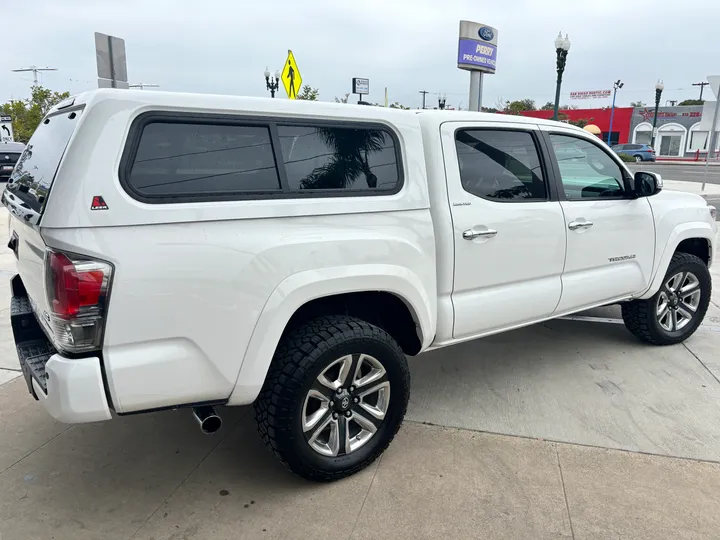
x=637 y=104
x=520 y=105
x=309 y=93
x=27 y=113
x=549 y=106
x=343 y=99
x=397 y=105
x=581 y=123
x=489 y=109
x=692 y=102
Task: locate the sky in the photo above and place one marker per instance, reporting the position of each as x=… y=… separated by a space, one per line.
x=223 y=46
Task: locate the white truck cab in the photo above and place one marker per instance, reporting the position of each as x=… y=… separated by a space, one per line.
x=182 y=250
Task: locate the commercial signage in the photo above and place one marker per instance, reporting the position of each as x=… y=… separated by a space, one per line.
x=360 y=86
x=591 y=94
x=6 y=130
x=477 y=47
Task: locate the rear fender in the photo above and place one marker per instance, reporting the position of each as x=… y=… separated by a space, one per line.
x=303 y=287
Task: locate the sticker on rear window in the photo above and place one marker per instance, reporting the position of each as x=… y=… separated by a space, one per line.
x=98 y=203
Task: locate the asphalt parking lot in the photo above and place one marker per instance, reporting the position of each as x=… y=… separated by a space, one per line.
x=567 y=429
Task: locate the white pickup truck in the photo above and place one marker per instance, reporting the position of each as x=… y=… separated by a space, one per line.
x=180 y=250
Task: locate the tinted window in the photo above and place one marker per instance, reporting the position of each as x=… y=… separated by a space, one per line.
x=333 y=158
x=586 y=170
x=8 y=157
x=186 y=159
x=35 y=169
x=634 y=147
x=500 y=165
x=618 y=147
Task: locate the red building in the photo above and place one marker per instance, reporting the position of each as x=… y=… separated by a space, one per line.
x=600 y=117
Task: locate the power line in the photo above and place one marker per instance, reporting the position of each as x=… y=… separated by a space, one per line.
x=702 y=86
x=35 y=70
x=424 y=93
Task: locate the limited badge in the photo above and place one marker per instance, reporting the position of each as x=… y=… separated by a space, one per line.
x=98 y=203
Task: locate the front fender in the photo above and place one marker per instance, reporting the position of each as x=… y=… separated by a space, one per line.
x=683 y=231
x=303 y=287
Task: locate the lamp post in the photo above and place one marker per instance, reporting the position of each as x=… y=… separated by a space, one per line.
x=616 y=86
x=562 y=46
x=659 y=87
x=271 y=84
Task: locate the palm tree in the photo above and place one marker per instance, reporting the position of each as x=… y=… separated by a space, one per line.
x=350 y=149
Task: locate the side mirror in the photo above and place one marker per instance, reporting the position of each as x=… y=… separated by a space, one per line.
x=647 y=184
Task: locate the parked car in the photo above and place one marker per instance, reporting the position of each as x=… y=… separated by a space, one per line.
x=180 y=250
x=9 y=155
x=641 y=152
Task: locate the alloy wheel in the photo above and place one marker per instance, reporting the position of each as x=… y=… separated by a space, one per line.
x=678 y=301
x=346 y=405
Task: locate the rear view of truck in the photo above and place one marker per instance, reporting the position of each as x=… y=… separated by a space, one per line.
x=59 y=298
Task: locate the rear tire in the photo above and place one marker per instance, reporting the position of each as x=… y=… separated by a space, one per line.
x=675 y=312
x=638 y=159
x=334 y=397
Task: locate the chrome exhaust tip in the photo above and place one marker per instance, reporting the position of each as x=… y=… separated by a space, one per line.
x=208 y=419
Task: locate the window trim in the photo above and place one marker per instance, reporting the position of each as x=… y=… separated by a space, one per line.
x=138 y=124
x=541 y=149
x=627 y=180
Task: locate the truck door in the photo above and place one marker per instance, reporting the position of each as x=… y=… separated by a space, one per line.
x=610 y=235
x=508 y=227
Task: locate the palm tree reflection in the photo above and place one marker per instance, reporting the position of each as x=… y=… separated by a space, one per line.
x=349 y=161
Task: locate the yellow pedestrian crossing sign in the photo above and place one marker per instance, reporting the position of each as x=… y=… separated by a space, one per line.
x=291 y=78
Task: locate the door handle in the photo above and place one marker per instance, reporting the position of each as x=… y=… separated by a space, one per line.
x=471 y=234
x=573 y=225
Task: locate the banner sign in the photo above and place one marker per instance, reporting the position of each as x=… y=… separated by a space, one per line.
x=591 y=94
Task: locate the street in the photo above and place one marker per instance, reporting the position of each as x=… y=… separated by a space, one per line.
x=687 y=173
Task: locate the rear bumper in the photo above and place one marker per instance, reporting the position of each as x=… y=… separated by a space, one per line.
x=70 y=389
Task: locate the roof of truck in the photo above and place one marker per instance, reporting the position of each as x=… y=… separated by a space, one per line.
x=218 y=103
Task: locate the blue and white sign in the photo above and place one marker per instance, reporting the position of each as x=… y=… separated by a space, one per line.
x=477 y=47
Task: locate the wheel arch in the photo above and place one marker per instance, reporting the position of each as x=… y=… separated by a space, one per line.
x=310 y=293
x=693 y=238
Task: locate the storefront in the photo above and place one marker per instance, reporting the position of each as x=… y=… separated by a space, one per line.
x=600 y=117
x=678 y=133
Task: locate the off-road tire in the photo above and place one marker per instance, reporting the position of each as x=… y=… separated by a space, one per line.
x=640 y=315
x=300 y=357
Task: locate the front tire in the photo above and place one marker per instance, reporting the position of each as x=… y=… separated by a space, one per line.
x=675 y=312
x=334 y=397
x=638 y=159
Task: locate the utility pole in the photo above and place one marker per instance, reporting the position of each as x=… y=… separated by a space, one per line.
x=143 y=86
x=702 y=86
x=424 y=93
x=35 y=70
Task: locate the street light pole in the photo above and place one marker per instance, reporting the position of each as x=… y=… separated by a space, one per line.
x=659 y=86
x=616 y=86
x=562 y=46
x=271 y=84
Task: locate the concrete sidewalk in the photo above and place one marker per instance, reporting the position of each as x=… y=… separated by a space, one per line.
x=709 y=191
x=156 y=477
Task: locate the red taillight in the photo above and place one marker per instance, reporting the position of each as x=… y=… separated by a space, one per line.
x=76 y=290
